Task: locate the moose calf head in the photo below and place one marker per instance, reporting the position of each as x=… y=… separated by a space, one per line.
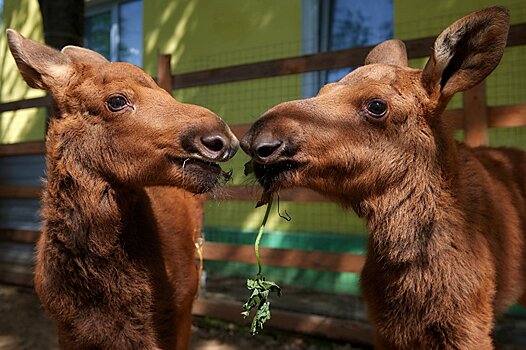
x=358 y=137
x=116 y=122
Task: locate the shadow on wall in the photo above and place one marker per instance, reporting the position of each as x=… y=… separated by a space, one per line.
x=201 y=34
x=22 y=125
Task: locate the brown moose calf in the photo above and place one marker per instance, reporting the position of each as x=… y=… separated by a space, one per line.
x=115 y=262
x=447 y=222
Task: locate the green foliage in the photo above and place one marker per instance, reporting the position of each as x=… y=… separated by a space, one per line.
x=261 y=289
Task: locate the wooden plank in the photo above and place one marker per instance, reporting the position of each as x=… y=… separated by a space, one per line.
x=253 y=193
x=22 y=149
x=476 y=116
x=20 y=191
x=164 y=72
x=44 y=101
x=303 y=259
x=416 y=48
x=240 y=130
x=237 y=192
x=22 y=236
x=507 y=116
x=517 y=35
x=314 y=325
x=17 y=274
x=278 y=67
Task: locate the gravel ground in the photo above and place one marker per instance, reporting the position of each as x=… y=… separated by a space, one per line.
x=24 y=326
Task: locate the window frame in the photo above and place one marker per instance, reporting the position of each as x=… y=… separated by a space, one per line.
x=113 y=8
x=94 y=7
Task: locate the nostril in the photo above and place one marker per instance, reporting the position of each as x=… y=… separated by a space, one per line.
x=214 y=143
x=266 y=149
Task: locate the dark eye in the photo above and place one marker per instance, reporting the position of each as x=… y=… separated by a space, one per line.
x=377 y=108
x=117 y=103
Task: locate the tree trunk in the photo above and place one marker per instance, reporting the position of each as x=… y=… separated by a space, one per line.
x=63 y=22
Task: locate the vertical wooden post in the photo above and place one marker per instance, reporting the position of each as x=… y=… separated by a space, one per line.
x=476 y=116
x=164 y=72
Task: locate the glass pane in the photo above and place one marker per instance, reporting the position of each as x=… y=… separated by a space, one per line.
x=97 y=33
x=357 y=23
x=130 y=21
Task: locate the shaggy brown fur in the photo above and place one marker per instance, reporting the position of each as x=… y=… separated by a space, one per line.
x=447 y=223
x=115 y=264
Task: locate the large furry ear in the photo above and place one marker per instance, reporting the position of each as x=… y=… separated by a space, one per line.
x=466 y=52
x=388 y=52
x=79 y=54
x=41 y=66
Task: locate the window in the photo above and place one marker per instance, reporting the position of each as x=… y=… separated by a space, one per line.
x=115 y=31
x=341 y=24
x=358 y=23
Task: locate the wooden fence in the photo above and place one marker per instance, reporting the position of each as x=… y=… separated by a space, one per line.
x=475 y=118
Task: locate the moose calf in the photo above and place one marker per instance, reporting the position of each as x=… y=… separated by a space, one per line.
x=447 y=222
x=115 y=263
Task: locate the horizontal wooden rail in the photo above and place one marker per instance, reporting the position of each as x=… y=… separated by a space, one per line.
x=214 y=251
x=27 y=103
x=313 y=325
x=20 y=192
x=17 y=274
x=303 y=259
x=236 y=192
x=20 y=236
x=499 y=117
x=416 y=48
x=22 y=149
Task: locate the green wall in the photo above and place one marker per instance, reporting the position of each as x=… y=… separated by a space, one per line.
x=29 y=124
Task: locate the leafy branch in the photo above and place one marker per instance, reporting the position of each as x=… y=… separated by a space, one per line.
x=261 y=288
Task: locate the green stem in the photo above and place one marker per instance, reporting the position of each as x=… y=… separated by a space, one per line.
x=260 y=234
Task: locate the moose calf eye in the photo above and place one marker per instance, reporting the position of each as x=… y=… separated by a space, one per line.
x=377 y=108
x=117 y=103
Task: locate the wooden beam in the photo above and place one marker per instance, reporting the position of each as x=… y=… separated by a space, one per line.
x=253 y=193
x=507 y=116
x=17 y=274
x=303 y=259
x=416 y=48
x=22 y=149
x=164 y=72
x=240 y=130
x=20 y=191
x=476 y=116
x=22 y=236
x=314 y=325
x=44 y=101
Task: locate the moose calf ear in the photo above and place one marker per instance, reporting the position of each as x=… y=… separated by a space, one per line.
x=388 y=52
x=41 y=66
x=80 y=54
x=467 y=52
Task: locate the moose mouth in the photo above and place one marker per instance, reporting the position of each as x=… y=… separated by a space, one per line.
x=208 y=172
x=275 y=175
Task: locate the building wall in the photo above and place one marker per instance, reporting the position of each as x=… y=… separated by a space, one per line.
x=23 y=125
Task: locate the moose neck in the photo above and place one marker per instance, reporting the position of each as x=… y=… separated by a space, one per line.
x=82 y=210
x=407 y=222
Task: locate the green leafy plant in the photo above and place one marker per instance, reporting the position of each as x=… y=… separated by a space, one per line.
x=260 y=288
